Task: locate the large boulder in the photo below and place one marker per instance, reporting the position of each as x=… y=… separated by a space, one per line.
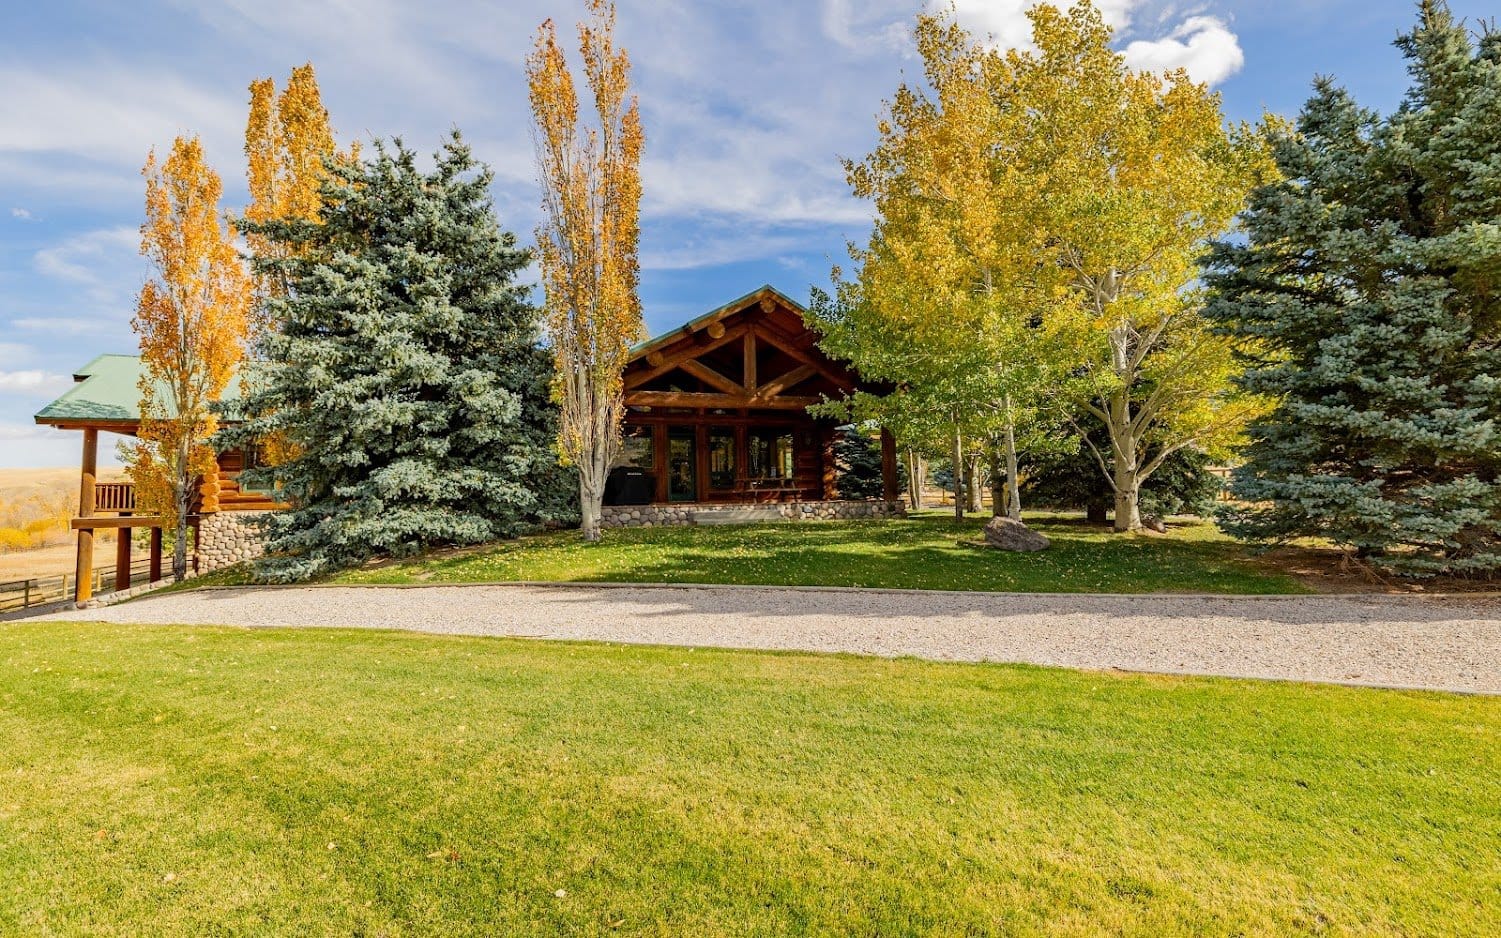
x=1007 y=534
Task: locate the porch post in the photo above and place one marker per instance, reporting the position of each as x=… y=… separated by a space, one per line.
x=83 y=581
x=156 y=554
x=890 y=478
x=122 y=558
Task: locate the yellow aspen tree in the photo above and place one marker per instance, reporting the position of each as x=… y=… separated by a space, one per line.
x=287 y=140
x=954 y=300
x=587 y=243
x=1141 y=172
x=192 y=317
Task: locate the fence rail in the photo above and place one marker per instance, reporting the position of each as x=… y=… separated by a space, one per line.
x=16 y=595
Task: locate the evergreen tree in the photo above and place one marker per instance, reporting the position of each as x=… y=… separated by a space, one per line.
x=857 y=455
x=1370 y=281
x=1182 y=485
x=404 y=372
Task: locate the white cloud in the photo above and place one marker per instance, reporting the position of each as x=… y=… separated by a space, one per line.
x=1201 y=45
x=34 y=382
x=60 y=325
x=114 y=112
x=20 y=213
x=1006 y=20
x=1204 y=45
x=80 y=259
x=862 y=26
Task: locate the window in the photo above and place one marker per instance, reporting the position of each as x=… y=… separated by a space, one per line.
x=636 y=449
x=772 y=455
x=721 y=457
x=251 y=458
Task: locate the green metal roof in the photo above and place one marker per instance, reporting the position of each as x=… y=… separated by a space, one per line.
x=108 y=390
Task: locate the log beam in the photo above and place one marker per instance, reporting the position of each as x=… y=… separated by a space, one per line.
x=675 y=358
x=725 y=401
x=711 y=377
x=791 y=379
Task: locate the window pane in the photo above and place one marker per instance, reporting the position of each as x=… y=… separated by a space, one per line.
x=636 y=449
x=681 y=486
x=721 y=457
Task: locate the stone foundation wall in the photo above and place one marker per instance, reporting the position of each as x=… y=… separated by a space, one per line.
x=647 y=516
x=228 y=537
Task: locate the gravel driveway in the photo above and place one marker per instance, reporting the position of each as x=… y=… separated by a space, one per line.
x=1389 y=641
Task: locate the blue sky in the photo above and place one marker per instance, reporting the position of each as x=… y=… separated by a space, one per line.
x=748 y=105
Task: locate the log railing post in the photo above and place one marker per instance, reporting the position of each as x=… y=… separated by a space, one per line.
x=83 y=581
x=122 y=558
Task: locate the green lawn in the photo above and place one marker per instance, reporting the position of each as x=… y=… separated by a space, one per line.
x=927 y=552
x=203 y=780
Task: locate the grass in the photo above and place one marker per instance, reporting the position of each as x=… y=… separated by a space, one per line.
x=209 y=780
x=925 y=552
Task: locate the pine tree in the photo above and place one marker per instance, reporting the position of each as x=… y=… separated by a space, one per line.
x=406 y=374
x=1370 y=280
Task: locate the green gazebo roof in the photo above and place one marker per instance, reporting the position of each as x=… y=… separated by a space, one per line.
x=108 y=391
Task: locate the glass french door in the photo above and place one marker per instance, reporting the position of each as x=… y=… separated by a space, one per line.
x=682 y=464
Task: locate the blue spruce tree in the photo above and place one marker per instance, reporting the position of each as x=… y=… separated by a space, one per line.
x=1370 y=282
x=403 y=376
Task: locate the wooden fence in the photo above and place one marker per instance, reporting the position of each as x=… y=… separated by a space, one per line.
x=16 y=595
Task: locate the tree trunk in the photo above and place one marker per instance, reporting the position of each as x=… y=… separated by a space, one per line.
x=914 y=479
x=180 y=545
x=997 y=483
x=591 y=500
x=972 y=486
x=1013 y=484
x=958 y=458
x=1127 y=492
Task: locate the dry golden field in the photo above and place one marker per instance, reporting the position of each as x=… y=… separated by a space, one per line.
x=35 y=505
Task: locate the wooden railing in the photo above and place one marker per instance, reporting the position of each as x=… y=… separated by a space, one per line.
x=114 y=497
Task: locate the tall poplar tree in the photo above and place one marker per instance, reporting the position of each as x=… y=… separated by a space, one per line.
x=1370 y=285
x=586 y=246
x=191 y=317
x=406 y=372
x=288 y=141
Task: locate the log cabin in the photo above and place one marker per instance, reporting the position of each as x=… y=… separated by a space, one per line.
x=716 y=417
x=717 y=411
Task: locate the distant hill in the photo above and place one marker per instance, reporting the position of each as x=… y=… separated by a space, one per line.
x=36 y=504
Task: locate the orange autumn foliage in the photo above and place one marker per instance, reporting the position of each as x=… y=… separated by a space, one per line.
x=287 y=139
x=192 y=317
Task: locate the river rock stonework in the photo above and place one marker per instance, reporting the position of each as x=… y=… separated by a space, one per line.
x=650 y=516
x=226 y=538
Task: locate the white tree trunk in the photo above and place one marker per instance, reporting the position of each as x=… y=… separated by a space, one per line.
x=1013 y=484
x=1127 y=492
x=958 y=459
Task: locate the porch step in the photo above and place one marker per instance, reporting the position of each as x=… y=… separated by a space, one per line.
x=737 y=515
